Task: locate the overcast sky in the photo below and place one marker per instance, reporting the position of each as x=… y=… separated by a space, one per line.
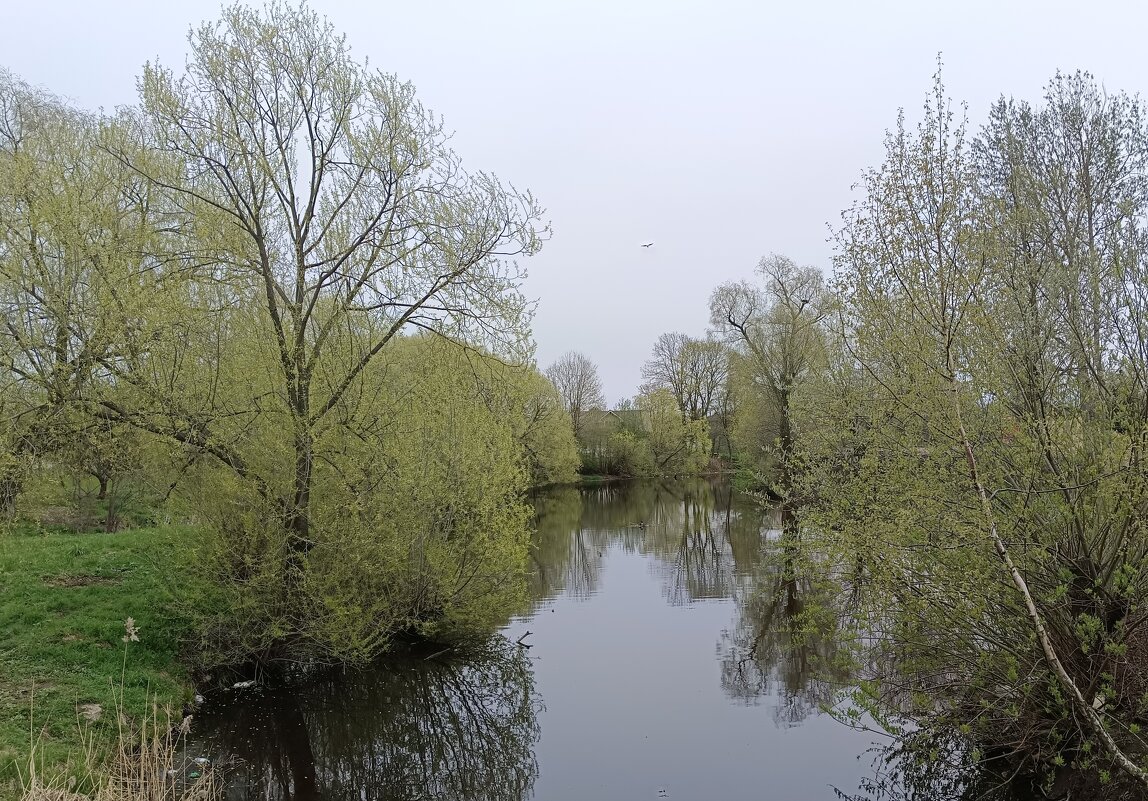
x=720 y=131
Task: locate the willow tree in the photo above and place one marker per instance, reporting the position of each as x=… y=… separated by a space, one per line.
x=527 y=401
x=320 y=214
x=678 y=446
x=985 y=473
x=776 y=327
x=547 y=432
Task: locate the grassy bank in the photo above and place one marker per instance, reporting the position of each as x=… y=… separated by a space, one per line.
x=64 y=600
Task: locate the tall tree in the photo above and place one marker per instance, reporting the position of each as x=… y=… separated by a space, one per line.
x=234 y=271
x=678 y=445
x=578 y=384
x=341 y=219
x=777 y=326
x=695 y=371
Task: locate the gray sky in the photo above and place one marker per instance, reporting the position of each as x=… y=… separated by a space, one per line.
x=721 y=131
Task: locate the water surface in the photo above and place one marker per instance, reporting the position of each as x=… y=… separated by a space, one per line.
x=656 y=669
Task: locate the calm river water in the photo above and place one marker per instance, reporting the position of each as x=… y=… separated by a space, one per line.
x=648 y=677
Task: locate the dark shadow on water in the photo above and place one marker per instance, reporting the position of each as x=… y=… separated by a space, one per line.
x=407 y=729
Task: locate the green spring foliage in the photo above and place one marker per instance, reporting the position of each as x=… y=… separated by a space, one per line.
x=421 y=528
x=654 y=439
x=991 y=294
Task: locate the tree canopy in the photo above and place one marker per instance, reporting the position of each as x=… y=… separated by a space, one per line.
x=226 y=281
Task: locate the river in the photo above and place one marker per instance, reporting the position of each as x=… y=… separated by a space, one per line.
x=654 y=671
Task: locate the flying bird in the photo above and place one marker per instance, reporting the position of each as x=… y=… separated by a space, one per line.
x=648 y=245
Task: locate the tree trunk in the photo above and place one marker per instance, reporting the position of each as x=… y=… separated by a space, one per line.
x=785 y=442
x=112 y=519
x=298 y=517
x=9 y=490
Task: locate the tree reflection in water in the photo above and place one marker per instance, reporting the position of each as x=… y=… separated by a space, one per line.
x=708 y=542
x=705 y=537
x=944 y=769
x=784 y=643
x=431 y=730
x=410 y=729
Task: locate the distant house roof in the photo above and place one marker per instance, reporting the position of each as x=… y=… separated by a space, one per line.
x=614 y=418
x=630 y=416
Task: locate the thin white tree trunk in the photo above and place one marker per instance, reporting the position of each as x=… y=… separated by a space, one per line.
x=1084 y=709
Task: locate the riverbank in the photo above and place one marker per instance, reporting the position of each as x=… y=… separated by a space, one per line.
x=593 y=480
x=64 y=602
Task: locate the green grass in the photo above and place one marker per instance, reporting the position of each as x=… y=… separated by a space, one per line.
x=63 y=602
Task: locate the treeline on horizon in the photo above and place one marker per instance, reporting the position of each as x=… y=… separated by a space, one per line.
x=717 y=403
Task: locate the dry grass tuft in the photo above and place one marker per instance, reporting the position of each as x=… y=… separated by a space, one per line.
x=149 y=762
